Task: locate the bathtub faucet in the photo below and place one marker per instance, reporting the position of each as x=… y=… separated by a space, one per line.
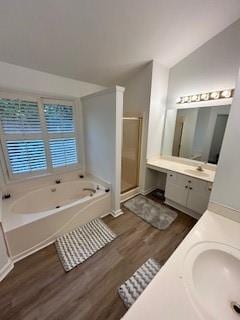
x=89 y=189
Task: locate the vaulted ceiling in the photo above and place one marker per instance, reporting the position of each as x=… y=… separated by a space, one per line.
x=106 y=41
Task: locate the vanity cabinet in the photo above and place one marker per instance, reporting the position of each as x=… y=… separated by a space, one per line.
x=184 y=192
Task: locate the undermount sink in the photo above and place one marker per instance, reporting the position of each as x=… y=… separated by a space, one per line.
x=197 y=172
x=212 y=280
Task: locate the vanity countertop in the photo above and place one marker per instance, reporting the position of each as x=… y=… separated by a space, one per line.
x=167 y=296
x=165 y=165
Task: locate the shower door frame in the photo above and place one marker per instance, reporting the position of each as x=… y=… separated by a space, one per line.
x=140 y=128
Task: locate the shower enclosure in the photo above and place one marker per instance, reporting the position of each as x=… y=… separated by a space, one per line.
x=131 y=145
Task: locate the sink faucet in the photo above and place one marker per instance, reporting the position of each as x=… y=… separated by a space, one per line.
x=200 y=166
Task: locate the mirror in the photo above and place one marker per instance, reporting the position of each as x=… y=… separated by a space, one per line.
x=196 y=133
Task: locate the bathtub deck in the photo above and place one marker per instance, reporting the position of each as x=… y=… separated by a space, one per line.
x=38 y=287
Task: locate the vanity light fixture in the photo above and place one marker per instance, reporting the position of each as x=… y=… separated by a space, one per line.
x=214 y=95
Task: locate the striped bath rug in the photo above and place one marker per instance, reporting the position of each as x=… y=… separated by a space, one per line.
x=131 y=289
x=78 y=245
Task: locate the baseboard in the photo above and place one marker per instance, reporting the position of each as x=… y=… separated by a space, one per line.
x=6 y=269
x=106 y=214
x=32 y=250
x=116 y=213
x=183 y=209
x=145 y=192
x=129 y=194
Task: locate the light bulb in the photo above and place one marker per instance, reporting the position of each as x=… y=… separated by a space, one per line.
x=205 y=96
x=178 y=100
x=214 y=95
x=195 y=98
x=226 y=93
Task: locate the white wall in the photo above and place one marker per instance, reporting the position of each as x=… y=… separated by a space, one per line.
x=212 y=67
x=103 y=114
x=31 y=81
x=137 y=92
x=226 y=188
x=18 y=78
x=157 y=110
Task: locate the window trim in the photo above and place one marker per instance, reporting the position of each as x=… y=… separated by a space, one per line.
x=45 y=136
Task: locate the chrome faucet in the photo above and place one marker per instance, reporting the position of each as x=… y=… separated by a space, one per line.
x=200 y=166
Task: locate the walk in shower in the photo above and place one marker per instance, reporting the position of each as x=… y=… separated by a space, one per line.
x=131 y=148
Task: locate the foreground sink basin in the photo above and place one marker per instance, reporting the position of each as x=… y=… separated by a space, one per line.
x=197 y=173
x=212 y=280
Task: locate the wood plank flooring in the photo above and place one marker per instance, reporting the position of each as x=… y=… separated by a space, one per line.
x=39 y=289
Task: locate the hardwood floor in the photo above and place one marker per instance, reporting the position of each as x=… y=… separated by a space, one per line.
x=39 y=289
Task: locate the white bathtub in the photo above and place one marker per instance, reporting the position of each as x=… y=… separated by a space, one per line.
x=35 y=219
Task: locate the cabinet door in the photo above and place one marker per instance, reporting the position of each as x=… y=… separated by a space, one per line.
x=176 y=189
x=198 y=197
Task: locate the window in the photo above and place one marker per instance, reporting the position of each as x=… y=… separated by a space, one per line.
x=37 y=135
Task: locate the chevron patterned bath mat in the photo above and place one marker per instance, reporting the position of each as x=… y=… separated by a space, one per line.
x=78 y=245
x=131 y=289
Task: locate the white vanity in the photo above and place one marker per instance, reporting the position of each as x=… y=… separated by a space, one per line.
x=193 y=135
x=186 y=189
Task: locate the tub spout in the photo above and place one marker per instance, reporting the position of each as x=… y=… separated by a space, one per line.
x=6 y=196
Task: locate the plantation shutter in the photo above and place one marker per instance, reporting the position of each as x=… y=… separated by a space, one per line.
x=61 y=131
x=21 y=133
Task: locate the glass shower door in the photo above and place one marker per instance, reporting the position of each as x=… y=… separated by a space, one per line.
x=130 y=153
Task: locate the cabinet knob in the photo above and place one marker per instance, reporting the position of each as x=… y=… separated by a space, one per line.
x=186 y=187
x=190 y=188
x=210 y=188
x=189 y=181
x=171 y=175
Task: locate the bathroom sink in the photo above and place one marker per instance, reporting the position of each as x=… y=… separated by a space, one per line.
x=212 y=280
x=197 y=173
